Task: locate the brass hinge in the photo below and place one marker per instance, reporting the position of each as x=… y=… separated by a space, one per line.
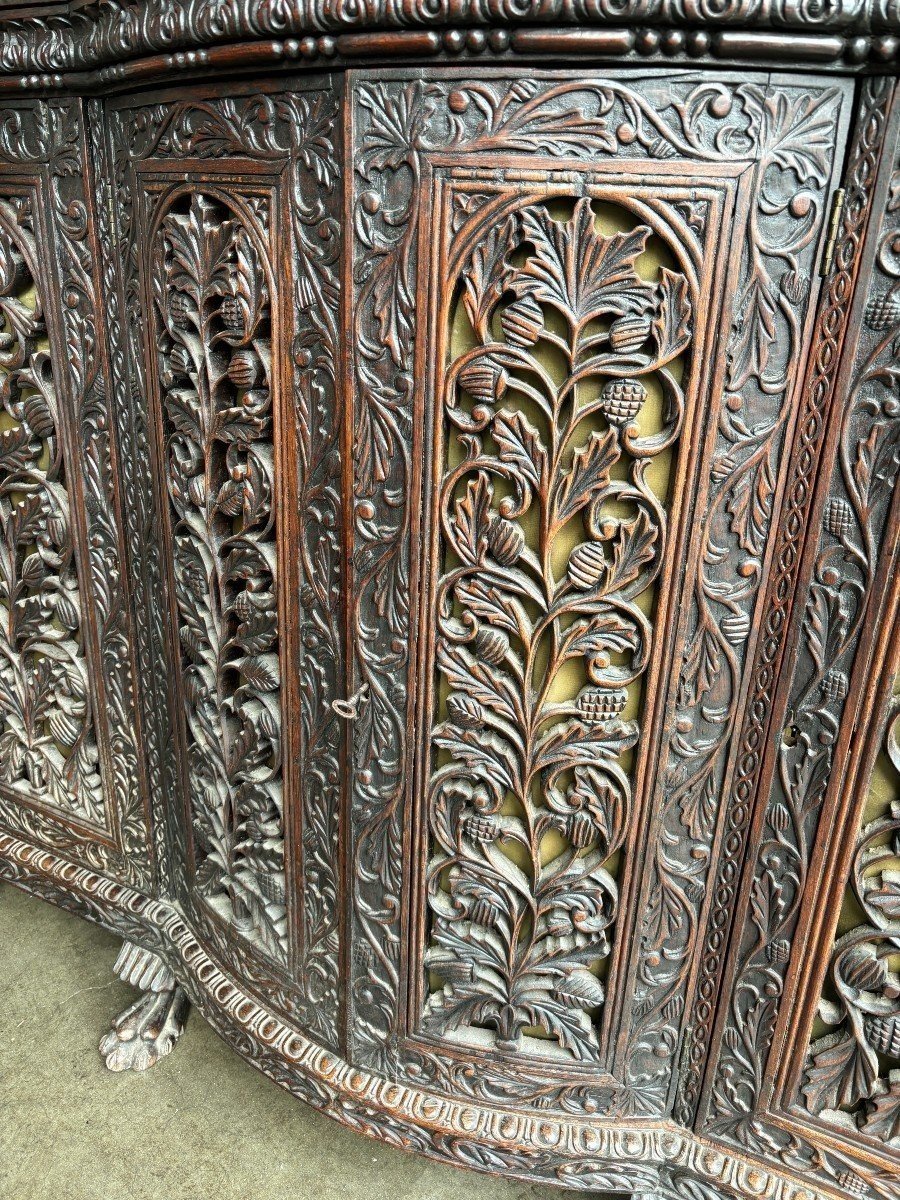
x=834 y=224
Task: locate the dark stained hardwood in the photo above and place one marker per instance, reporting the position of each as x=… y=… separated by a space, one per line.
x=448 y=565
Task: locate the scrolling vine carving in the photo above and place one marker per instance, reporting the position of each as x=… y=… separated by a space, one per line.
x=853 y=1073
x=518 y=937
x=49 y=138
x=840 y=595
x=291 y=137
x=47 y=744
x=783 y=137
x=212 y=292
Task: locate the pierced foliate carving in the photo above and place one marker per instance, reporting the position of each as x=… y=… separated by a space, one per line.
x=853 y=1070
x=212 y=295
x=863 y=463
x=448 y=152
x=47 y=744
x=552 y=535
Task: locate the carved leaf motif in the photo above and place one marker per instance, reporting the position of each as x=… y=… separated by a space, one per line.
x=47 y=737
x=489 y=276
x=797 y=131
x=750 y=505
x=520 y=445
x=213 y=304
x=671 y=321
x=589 y=475
x=882 y=1119
x=840 y=1074
x=472 y=519
x=748 y=354
x=579 y=271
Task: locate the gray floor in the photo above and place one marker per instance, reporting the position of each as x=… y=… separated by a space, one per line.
x=201 y=1125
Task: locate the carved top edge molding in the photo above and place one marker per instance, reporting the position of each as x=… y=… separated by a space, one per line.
x=105 y=37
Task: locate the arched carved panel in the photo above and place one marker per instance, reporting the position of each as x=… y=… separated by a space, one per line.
x=238 y=362
x=733 y=179
x=91 y=801
x=552 y=535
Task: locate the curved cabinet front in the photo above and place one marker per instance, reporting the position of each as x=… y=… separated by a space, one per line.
x=415 y=646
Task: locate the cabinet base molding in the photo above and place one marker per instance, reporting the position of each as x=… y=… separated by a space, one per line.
x=646 y=1159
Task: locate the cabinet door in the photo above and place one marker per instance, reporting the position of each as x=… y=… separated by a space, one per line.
x=69 y=767
x=806 y=1051
x=225 y=212
x=579 y=317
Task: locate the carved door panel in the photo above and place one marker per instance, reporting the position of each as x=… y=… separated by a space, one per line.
x=806 y=1061
x=70 y=773
x=579 y=314
x=227 y=221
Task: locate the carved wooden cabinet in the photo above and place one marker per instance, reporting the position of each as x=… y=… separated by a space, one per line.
x=448 y=563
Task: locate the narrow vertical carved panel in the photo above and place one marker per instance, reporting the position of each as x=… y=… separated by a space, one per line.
x=242 y=278
x=212 y=288
x=852 y=1074
x=552 y=534
x=80 y=739
x=47 y=745
x=801 y=844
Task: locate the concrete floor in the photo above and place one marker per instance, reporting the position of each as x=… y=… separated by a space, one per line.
x=200 y=1125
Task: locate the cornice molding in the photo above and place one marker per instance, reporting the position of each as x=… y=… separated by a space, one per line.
x=102 y=43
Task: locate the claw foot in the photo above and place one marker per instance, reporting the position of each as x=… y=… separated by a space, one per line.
x=149 y=1029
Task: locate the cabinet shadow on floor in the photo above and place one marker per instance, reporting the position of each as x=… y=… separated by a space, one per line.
x=202 y=1123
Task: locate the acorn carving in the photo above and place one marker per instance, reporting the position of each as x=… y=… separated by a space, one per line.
x=272 y=887
x=179 y=310
x=245 y=368
x=834 y=685
x=621 y=400
x=778 y=952
x=736 y=626
x=481 y=828
x=506 y=541
x=492 y=645
x=230 y=312
x=854 y=1184
x=579 y=829
x=483 y=912
x=522 y=322
x=587 y=564
x=838 y=517
x=484 y=380
x=884 y=1035
x=244 y=607
x=794 y=286
x=629 y=334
